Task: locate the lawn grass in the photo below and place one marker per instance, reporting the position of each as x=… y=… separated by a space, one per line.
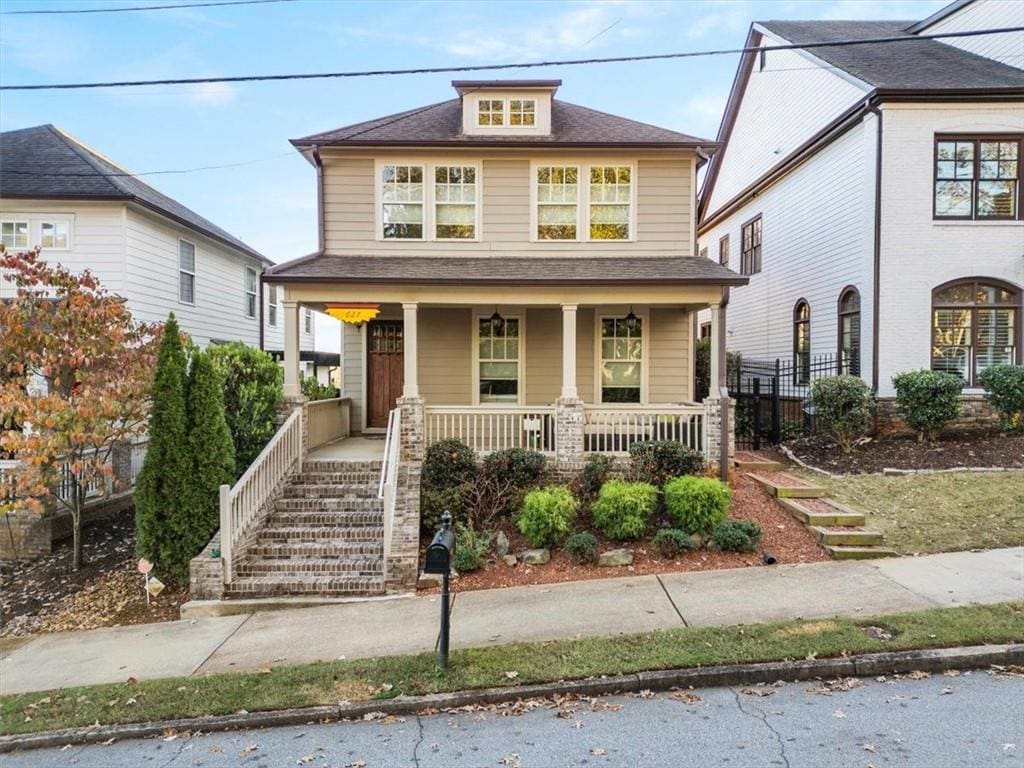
x=330 y=682
x=943 y=512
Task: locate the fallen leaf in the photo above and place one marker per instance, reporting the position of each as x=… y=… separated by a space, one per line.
x=598 y=751
x=757 y=691
x=945 y=691
x=687 y=697
x=919 y=674
x=839 y=713
x=512 y=675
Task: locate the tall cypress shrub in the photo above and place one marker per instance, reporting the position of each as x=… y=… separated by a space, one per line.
x=163 y=484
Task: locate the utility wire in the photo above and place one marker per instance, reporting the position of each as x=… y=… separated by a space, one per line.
x=126 y=174
x=521 y=65
x=213 y=3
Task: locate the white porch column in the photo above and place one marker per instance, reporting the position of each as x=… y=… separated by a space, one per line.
x=411 y=386
x=569 y=351
x=717 y=363
x=291 y=349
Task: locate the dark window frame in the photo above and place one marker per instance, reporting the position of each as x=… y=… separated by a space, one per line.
x=801 y=362
x=723 y=250
x=750 y=253
x=841 y=315
x=976 y=139
x=1016 y=304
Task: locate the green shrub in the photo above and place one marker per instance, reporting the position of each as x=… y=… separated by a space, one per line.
x=623 y=509
x=843 y=406
x=697 y=504
x=582 y=546
x=523 y=468
x=669 y=542
x=470 y=549
x=587 y=484
x=928 y=400
x=655 y=461
x=252 y=391
x=314 y=390
x=702 y=367
x=446 y=482
x=435 y=502
x=1004 y=389
x=503 y=479
x=737 y=536
x=547 y=515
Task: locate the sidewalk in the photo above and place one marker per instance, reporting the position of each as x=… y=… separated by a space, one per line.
x=545 y=612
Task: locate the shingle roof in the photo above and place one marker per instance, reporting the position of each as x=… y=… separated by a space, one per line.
x=921 y=65
x=469 y=270
x=441 y=124
x=44 y=162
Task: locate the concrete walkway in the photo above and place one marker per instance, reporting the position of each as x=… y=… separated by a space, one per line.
x=488 y=617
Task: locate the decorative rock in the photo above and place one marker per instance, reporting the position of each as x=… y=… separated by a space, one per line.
x=616 y=557
x=535 y=556
x=501 y=544
x=428 y=581
x=509 y=560
x=696 y=541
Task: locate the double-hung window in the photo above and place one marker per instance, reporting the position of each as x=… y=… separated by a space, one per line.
x=307 y=320
x=723 y=251
x=802 y=343
x=402 y=202
x=272 y=306
x=455 y=195
x=621 y=359
x=750 y=248
x=605 y=197
x=14 y=233
x=558 y=194
x=250 y=292
x=186 y=272
x=975 y=324
x=522 y=112
x=499 y=356
x=610 y=199
x=490 y=112
x=54 y=234
x=978 y=177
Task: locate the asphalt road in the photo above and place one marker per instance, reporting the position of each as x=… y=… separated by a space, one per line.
x=972 y=719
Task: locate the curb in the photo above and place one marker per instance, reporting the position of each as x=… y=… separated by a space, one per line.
x=935 y=660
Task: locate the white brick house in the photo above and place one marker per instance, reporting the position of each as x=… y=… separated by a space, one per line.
x=835 y=195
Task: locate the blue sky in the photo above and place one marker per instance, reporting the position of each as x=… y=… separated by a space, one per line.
x=271 y=203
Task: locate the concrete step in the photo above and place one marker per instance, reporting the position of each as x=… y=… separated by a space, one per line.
x=336 y=465
x=317 y=549
x=322 y=586
x=822 y=511
x=307 y=533
x=317 y=518
x=840 y=552
x=785 y=486
x=329 y=504
x=304 y=566
x=856 y=537
x=316 y=491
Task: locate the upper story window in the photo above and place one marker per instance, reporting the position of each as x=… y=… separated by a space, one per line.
x=723 y=251
x=455 y=202
x=307 y=320
x=272 y=306
x=750 y=248
x=490 y=112
x=402 y=200
x=607 y=200
x=975 y=324
x=977 y=177
x=522 y=112
x=186 y=272
x=250 y=292
x=14 y=233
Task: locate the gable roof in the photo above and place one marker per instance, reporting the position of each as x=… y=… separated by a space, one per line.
x=440 y=124
x=47 y=163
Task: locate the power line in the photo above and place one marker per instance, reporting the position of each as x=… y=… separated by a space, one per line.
x=126 y=174
x=521 y=65
x=210 y=4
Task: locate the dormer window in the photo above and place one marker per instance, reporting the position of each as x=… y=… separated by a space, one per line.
x=490 y=112
x=522 y=112
x=499 y=108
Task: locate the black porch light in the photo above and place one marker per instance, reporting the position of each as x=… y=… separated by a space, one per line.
x=496 y=317
x=631 y=318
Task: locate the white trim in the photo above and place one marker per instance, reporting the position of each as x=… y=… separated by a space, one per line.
x=255 y=293
x=65 y=219
x=195 y=269
x=507 y=312
x=275 y=305
x=618 y=312
x=429 y=202
x=583 y=196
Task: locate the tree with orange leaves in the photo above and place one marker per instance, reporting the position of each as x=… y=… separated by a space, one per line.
x=75 y=376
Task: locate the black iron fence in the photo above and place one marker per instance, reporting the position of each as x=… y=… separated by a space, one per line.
x=773 y=396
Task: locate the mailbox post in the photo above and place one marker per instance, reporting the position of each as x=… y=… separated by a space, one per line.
x=439 y=560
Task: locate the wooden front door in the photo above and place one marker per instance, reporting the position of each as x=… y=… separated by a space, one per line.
x=384 y=369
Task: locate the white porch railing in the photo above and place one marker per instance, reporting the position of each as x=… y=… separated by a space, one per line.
x=327 y=420
x=613 y=429
x=388 y=478
x=240 y=505
x=493 y=428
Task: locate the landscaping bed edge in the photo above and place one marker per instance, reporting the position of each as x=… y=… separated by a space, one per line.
x=871 y=664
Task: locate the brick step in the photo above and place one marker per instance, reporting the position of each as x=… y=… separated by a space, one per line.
x=316 y=491
x=317 y=549
x=317 y=518
x=336 y=465
x=840 y=552
x=855 y=537
x=304 y=566
x=785 y=486
x=331 y=534
x=329 y=504
x=322 y=586
x=337 y=478
x=824 y=512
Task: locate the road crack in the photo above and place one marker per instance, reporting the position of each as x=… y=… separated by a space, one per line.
x=419 y=742
x=763 y=717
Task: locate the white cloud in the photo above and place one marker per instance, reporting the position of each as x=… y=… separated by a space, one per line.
x=211 y=94
x=702 y=113
x=853 y=10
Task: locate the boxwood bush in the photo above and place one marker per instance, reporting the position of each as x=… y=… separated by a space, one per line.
x=843 y=407
x=928 y=400
x=547 y=515
x=449 y=469
x=737 y=536
x=655 y=461
x=582 y=547
x=623 y=509
x=587 y=484
x=669 y=542
x=1004 y=389
x=697 y=504
x=504 y=478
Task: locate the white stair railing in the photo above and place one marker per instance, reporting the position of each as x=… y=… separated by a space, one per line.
x=388 y=479
x=242 y=503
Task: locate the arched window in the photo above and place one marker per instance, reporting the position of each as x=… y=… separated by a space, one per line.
x=975 y=324
x=801 y=343
x=849 y=331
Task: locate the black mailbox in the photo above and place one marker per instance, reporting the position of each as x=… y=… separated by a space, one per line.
x=441 y=549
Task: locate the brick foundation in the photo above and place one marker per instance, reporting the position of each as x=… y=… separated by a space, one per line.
x=206 y=573
x=975 y=415
x=26 y=535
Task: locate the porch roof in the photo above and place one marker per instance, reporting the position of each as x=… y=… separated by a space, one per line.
x=499 y=270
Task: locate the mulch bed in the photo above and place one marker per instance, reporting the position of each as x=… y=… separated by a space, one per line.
x=45 y=595
x=988 y=449
x=786 y=539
